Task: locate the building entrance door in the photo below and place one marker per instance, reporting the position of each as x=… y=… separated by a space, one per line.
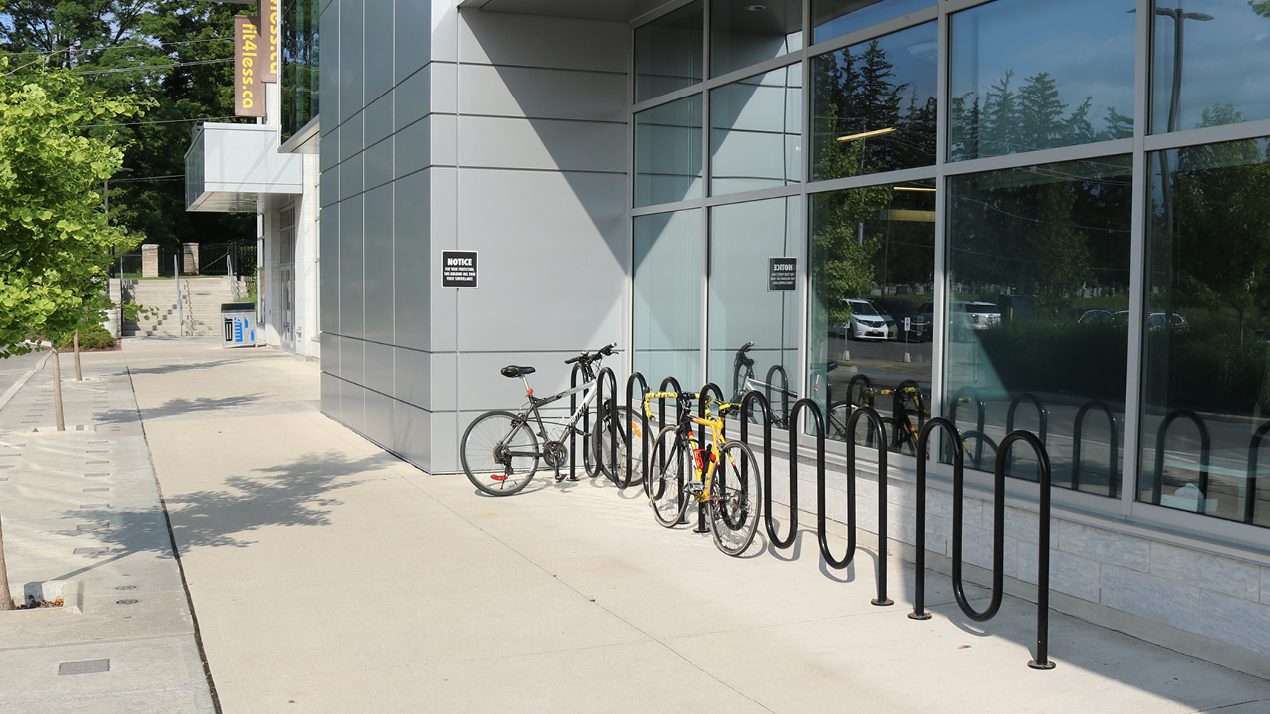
x=288 y=309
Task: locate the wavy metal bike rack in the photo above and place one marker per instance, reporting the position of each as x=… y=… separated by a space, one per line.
x=1078 y=435
x=1205 y=447
x=876 y=425
x=606 y=376
x=711 y=388
x=1250 y=486
x=573 y=433
x=636 y=378
x=1041 y=661
x=669 y=384
x=970 y=394
x=778 y=369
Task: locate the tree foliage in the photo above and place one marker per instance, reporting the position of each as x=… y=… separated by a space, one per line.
x=54 y=236
x=174 y=53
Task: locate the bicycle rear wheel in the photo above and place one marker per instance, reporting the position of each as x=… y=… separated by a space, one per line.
x=499 y=453
x=668 y=462
x=836 y=423
x=736 y=499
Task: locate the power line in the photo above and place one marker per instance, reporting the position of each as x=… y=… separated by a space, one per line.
x=158 y=121
x=155 y=68
x=118 y=47
x=169 y=177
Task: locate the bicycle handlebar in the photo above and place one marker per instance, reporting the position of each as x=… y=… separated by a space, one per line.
x=599 y=354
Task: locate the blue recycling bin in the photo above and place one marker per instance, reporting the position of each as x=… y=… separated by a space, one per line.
x=238 y=322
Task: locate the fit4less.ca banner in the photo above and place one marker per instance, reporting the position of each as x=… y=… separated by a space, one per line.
x=249 y=87
x=268 y=24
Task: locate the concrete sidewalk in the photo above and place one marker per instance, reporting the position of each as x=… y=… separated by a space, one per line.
x=83 y=507
x=329 y=576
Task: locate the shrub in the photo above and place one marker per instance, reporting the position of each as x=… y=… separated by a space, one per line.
x=92 y=338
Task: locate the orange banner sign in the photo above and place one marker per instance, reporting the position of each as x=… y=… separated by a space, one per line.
x=249 y=90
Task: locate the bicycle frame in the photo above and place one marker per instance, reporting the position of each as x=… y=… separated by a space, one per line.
x=590 y=390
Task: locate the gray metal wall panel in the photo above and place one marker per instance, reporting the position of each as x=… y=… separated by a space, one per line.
x=329 y=149
x=352 y=136
x=412 y=98
x=412 y=380
x=329 y=266
x=379 y=77
x=539 y=41
x=529 y=92
x=445 y=389
x=329 y=69
x=414 y=147
x=443 y=227
x=329 y=190
x=481 y=387
x=352 y=175
x=544 y=144
x=563 y=265
x=351 y=60
x=413 y=27
x=352 y=290
x=379 y=119
x=353 y=360
x=412 y=313
x=330 y=390
x=379 y=367
x=378 y=268
x=379 y=163
x=447 y=427
x=330 y=353
x=379 y=418
x=412 y=433
x=353 y=405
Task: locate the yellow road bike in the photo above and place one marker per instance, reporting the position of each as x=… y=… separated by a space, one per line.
x=724 y=475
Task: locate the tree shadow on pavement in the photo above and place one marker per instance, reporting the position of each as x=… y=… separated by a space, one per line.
x=176 y=407
x=293 y=494
x=182 y=367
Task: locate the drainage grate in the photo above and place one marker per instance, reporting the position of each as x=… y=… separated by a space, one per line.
x=88 y=666
x=96 y=462
x=128 y=601
x=95 y=550
x=95 y=489
x=98 y=474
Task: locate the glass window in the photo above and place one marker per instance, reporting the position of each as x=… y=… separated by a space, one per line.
x=755 y=302
x=668 y=152
x=872 y=273
x=669 y=277
x=835 y=18
x=743 y=32
x=756 y=132
x=668 y=53
x=1206 y=352
x=1034 y=74
x=299 y=64
x=1036 y=333
x=873 y=105
x=1209 y=67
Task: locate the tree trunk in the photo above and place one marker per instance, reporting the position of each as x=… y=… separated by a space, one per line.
x=79 y=371
x=57 y=391
x=6 y=600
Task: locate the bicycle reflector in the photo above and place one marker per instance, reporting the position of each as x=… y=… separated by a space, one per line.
x=699 y=455
x=498 y=477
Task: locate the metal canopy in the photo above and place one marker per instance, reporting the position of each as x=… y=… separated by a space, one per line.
x=614 y=10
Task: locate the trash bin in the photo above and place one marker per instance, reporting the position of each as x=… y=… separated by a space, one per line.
x=239 y=322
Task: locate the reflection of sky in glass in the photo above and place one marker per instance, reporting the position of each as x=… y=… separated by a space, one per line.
x=1225 y=60
x=1087 y=46
x=835 y=18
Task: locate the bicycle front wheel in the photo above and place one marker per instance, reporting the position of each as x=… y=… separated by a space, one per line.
x=668 y=465
x=736 y=498
x=499 y=453
x=836 y=423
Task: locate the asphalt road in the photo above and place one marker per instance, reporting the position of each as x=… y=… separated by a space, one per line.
x=12 y=369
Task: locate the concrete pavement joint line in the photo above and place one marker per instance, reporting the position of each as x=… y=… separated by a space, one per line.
x=1227 y=706
x=592 y=600
x=176 y=551
x=95 y=643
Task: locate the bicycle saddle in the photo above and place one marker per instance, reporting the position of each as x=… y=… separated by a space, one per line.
x=512 y=371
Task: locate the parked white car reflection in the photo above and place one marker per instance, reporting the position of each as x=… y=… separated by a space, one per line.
x=867 y=322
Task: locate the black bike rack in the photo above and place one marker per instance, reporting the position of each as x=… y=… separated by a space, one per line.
x=669 y=384
x=1205 y=446
x=774 y=370
x=1250 y=496
x=897 y=410
x=1042 y=417
x=636 y=378
x=710 y=388
x=573 y=434
x=1078 y=433
x=747 y=402
x=860 y=379
x=876 y=425
x=606 y=375
x=998 y=533
x=970 y=394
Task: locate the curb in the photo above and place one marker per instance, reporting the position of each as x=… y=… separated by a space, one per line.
x=12 y=392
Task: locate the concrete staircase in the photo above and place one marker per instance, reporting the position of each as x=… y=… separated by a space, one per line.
x=198 y=313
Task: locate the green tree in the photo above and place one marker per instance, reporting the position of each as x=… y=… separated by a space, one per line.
x=54 y=237
x=176 y=53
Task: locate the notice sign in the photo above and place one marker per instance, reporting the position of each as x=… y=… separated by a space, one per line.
x=782 y=274
x=458 y=268
x=249 y=91
x=268 y=24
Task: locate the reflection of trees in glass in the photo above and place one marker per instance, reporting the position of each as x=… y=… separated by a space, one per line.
x=856 y=90
x=1010 y=120
x=843 y=264
x=1222 y=224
